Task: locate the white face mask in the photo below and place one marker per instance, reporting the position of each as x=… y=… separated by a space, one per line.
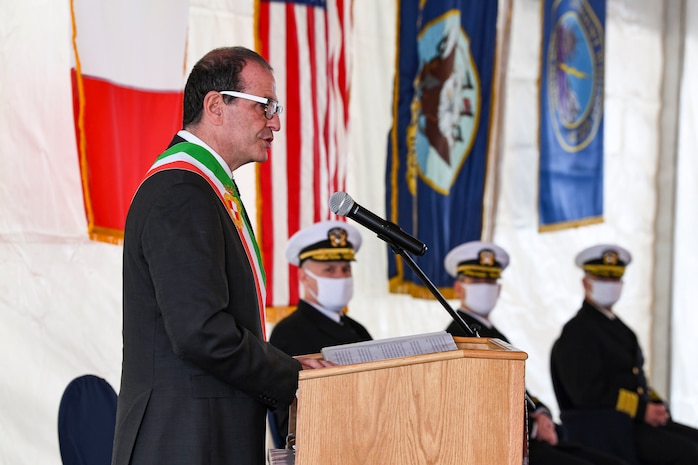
x=332 y=293
x=605 y=293
x=480 y=297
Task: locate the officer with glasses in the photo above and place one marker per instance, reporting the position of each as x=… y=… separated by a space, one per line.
x=198 y=375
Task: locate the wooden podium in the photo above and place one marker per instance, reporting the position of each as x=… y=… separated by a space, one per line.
x=459 y=407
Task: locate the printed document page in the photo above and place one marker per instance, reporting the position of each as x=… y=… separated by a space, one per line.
x=383 y=349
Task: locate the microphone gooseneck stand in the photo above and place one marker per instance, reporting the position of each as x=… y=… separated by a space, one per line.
x=432 y=288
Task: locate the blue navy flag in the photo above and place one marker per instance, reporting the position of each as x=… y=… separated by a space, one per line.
x=437 y=151
x=571 y=128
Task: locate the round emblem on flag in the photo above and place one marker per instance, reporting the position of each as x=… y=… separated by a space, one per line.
x=574 y=81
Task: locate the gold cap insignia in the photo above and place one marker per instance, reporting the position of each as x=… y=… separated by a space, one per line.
x=337 y=237
x=487 y=258
x=610 y=257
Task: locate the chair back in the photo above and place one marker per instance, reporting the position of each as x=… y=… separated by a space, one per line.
x=86 y=419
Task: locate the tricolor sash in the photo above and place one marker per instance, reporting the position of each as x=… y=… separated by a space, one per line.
x=192 y=157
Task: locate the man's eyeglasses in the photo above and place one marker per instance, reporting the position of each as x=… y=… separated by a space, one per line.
x=271 y=107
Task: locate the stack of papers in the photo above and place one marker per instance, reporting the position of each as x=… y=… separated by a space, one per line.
x=383 y=349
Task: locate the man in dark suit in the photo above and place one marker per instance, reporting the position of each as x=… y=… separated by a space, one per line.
x=477 y=267
x=323 y=253
x=197 y=375
x=597 y=365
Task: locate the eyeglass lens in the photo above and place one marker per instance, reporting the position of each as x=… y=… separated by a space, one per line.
x=272 y=108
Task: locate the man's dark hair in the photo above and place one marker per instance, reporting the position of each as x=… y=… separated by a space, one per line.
x=218 y=70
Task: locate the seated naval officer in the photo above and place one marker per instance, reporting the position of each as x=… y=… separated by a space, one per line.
x=323 y=253
x=598 y=373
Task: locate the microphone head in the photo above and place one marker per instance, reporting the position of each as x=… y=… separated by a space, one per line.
x=341 y=203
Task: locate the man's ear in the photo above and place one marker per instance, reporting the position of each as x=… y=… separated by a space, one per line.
x=302 y=276
x=458 y=289
x=303 y=281
x=213 y=107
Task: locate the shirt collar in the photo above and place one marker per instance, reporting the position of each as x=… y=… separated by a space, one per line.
x=479 y=318
x=605 y=312
x=328 y=313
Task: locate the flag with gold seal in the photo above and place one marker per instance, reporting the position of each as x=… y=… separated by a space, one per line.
x=571 y=113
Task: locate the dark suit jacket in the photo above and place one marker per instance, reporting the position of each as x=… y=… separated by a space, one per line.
x=197 y=377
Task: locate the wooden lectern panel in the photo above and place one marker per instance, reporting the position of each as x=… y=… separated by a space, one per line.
x=456 y=407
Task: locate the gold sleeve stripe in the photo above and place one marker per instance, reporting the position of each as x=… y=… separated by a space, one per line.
x=627 y=402
x=654 y=396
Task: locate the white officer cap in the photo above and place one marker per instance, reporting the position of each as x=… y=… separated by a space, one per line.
x=607 y=260
x=477 y=259
x=324 y=241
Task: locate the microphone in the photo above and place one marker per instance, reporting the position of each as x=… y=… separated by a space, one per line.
x=342 y=204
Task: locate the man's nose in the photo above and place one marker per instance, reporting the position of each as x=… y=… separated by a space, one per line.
x=274 y=123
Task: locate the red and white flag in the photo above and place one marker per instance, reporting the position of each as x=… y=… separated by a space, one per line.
x=307 y=43
x=128 y=76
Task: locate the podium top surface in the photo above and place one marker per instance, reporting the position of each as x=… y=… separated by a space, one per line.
x=468 y=347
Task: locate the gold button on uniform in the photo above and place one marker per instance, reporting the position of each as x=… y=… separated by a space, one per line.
x=640 y=391
x=636 y=370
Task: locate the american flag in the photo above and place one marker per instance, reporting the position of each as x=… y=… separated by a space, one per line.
x=307 y=43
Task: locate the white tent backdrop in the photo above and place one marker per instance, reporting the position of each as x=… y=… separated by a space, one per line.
x=684 y=321
x=60 y=294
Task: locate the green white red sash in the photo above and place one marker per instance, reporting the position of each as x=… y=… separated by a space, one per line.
x=195 y=158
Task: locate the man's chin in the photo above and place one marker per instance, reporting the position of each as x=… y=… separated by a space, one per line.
x=261 y=157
